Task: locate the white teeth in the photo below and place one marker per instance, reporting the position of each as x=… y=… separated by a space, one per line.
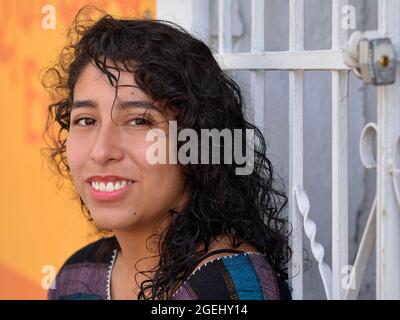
x=102 y=187
x=109 y=186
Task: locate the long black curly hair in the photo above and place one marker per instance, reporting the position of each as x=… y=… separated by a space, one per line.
x=173 y=67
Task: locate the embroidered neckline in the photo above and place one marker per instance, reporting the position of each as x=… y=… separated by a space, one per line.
x=110 y=268
x=211 y=261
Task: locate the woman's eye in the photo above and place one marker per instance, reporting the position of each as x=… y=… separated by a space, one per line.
x=84 y=122
x=140 y=122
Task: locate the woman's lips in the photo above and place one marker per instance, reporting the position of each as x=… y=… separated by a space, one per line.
x=109 y=196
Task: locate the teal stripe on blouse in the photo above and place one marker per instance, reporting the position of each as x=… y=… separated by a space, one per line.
x=244 y=277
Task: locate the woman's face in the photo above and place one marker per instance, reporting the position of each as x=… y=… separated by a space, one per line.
x=111 y=158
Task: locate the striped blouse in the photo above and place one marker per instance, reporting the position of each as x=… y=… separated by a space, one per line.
x=241 y=276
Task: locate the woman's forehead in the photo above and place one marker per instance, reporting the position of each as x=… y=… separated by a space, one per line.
x=94 y=85
x=92 y=74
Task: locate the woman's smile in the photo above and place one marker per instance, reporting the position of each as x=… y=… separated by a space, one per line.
x=110 y=191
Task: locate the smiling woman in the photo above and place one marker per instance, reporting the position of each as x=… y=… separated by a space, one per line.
x=170 y=230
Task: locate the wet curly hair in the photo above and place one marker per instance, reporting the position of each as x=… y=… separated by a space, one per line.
x=173 y=67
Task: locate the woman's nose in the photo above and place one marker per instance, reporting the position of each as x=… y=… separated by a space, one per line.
x=108 y=146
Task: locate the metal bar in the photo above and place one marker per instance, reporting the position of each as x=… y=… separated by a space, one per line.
x=224 y=26
x=388 y=215
x=363 y=254
x=340 y=184
x=284 y=60
x=296 y=98
x=257 y=77
x=310 y=229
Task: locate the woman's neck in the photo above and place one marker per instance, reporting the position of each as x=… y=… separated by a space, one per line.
x=138 y=252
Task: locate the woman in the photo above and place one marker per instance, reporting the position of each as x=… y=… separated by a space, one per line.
x=175 y=230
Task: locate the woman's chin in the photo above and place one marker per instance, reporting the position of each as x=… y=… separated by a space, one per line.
x=113 y=220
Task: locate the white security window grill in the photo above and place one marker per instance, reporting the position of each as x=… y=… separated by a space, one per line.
x=383 y=224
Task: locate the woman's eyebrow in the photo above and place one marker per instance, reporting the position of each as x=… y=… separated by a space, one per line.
x=83 y=104
x=124 y=105
x=137 y=104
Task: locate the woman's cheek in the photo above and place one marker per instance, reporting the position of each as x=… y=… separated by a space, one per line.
x=76 y=158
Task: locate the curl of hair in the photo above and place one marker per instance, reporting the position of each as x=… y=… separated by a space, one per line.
x=172 y=66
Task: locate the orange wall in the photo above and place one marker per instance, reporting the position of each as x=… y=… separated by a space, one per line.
x=38 y=226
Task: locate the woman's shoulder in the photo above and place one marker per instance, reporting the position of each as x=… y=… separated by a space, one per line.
x=84 y=273
x=229 y=273
x=240 y=276
x=95 y=252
